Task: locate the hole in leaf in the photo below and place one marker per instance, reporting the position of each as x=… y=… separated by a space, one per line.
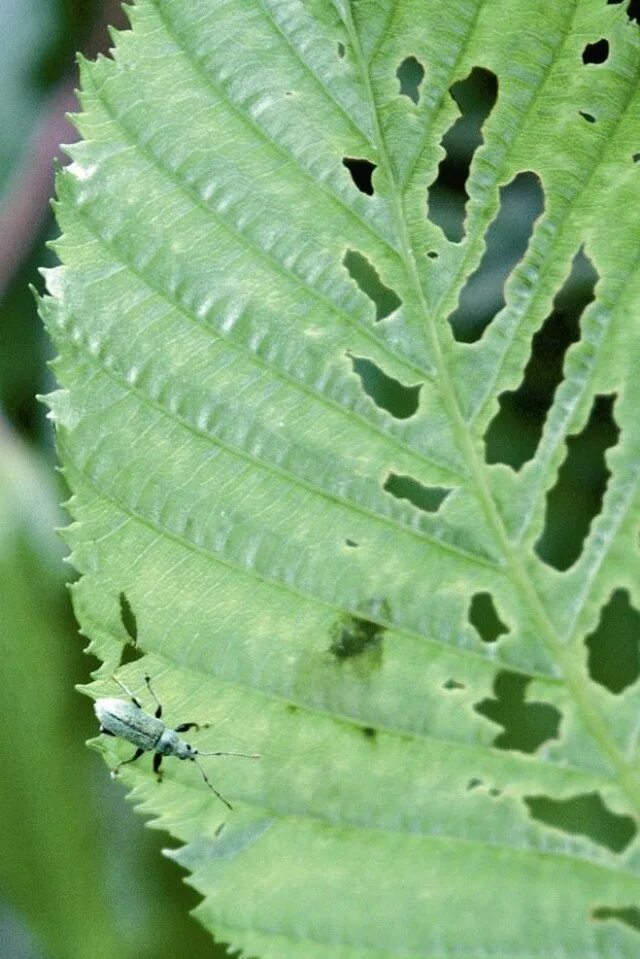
x=361 y=173
x=614 y=647
x=473 y=784
x=526 y=725
x=427 y=498
x=410 y=74
x=596 y=52
x=366 y=277
x=514 y=433
x=385 y=391
x=580 y=487
x=291 y=708
x=432 y=254
x=589 y=117
x=353 y=636
x=369 y=732
x=584 y=815
x=447 y=196
x=341 y=49
x=351 y=543
x=453 y=684
x=633 y=9
x=636 y=158
x=628 y=915
x=128 y=619
x=494 y=793
x=484 y=617
x=131 y=652
x=482 y=297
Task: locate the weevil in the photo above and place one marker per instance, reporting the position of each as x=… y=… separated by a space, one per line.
x=128 y=720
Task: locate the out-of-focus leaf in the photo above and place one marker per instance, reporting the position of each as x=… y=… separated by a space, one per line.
x=25 y=31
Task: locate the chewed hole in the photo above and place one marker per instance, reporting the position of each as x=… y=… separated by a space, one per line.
x=633 y=9
x=453 y=684
x=131 y=651
x=433 y=254
x=410 y=74
x=473 y=784
x=584 y=815
x=627 y=915
x=484 y=617
x=514 y=433
x=580 y=487
x=506 y=241
x=614 y=646
x=341 y=49
x=589 y=117
x=526 y=725
x=128 y=619
x=596 y=52
x=447 y=197
x=429 y=499
x=361 y=171
x=636 y=157
x=351 y=543
x=385 y=300
x=385 y=391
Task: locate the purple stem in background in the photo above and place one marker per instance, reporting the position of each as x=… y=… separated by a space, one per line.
x=25 y=210
x=26 y=205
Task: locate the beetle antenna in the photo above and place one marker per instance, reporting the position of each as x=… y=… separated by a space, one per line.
x=245 y=755
x=206 y=779
x=133 y=698
x=147 y=680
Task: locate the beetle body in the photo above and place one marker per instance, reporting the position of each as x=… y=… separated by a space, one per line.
x=128 y=720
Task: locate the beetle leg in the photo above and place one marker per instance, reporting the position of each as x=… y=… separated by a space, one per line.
x=138 y=753
x=185 y=727
x=157 y=759
x=158 y=712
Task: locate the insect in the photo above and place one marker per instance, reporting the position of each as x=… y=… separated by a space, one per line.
x=150 y=734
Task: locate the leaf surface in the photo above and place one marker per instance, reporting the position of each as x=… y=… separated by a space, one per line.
x=302 y=553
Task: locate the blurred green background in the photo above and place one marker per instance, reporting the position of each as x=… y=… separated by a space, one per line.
x=78 y=875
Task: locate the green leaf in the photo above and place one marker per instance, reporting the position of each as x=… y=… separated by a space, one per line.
x=288 y=477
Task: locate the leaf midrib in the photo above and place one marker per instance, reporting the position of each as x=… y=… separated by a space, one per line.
x=629 y=779
x=193 y=196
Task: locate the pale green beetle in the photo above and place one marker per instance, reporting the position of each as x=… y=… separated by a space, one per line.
x=148 y=733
